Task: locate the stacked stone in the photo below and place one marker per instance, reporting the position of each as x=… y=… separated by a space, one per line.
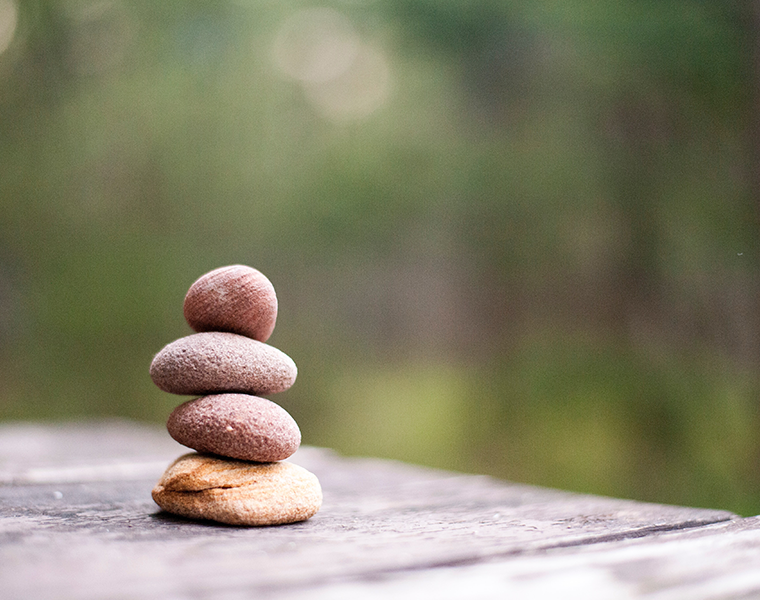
x=237 y=475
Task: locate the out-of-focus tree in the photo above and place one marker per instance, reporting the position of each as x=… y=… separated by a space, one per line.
x=521 y=236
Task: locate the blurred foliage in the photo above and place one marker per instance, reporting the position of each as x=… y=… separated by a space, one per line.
x=507 y=237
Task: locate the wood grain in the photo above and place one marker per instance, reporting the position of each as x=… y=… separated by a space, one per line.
x=71 y=526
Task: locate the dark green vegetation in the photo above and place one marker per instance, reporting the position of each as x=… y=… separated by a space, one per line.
x=518 y=238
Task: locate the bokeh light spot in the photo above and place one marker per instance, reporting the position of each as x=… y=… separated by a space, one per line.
x=358 y=92
x=314 y=45
x=8 y=23
x=102 y=33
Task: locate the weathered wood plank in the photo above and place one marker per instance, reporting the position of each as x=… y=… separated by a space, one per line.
x=70 y=527
x=706 y=563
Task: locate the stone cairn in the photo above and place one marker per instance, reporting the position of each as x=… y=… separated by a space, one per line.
x=237 y=475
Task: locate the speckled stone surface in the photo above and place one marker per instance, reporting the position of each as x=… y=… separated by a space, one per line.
x=237 y=299
x=236 y=425
x=218 y=362
x=237 y=492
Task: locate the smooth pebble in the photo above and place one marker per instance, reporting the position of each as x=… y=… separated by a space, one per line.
x=236 y=425
x=237 y=299
x=217 y=362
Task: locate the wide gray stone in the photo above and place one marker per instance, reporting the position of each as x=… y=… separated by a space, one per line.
x=218 y=362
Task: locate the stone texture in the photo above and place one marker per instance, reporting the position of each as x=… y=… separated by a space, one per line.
x=238 y=493
x=237 y=426
x=237 y=299
x=218 y=362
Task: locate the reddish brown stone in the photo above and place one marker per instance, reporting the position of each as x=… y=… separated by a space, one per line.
x=236 y=425
x=238 y=299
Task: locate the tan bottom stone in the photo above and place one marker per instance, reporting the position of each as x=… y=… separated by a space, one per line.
x=238 y=492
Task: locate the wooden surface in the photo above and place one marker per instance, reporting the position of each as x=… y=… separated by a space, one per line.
x=77 y=521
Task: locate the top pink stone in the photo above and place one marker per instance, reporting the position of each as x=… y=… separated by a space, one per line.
x=237 y=299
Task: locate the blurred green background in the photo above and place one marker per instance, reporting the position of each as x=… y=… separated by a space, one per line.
x=513 y=238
